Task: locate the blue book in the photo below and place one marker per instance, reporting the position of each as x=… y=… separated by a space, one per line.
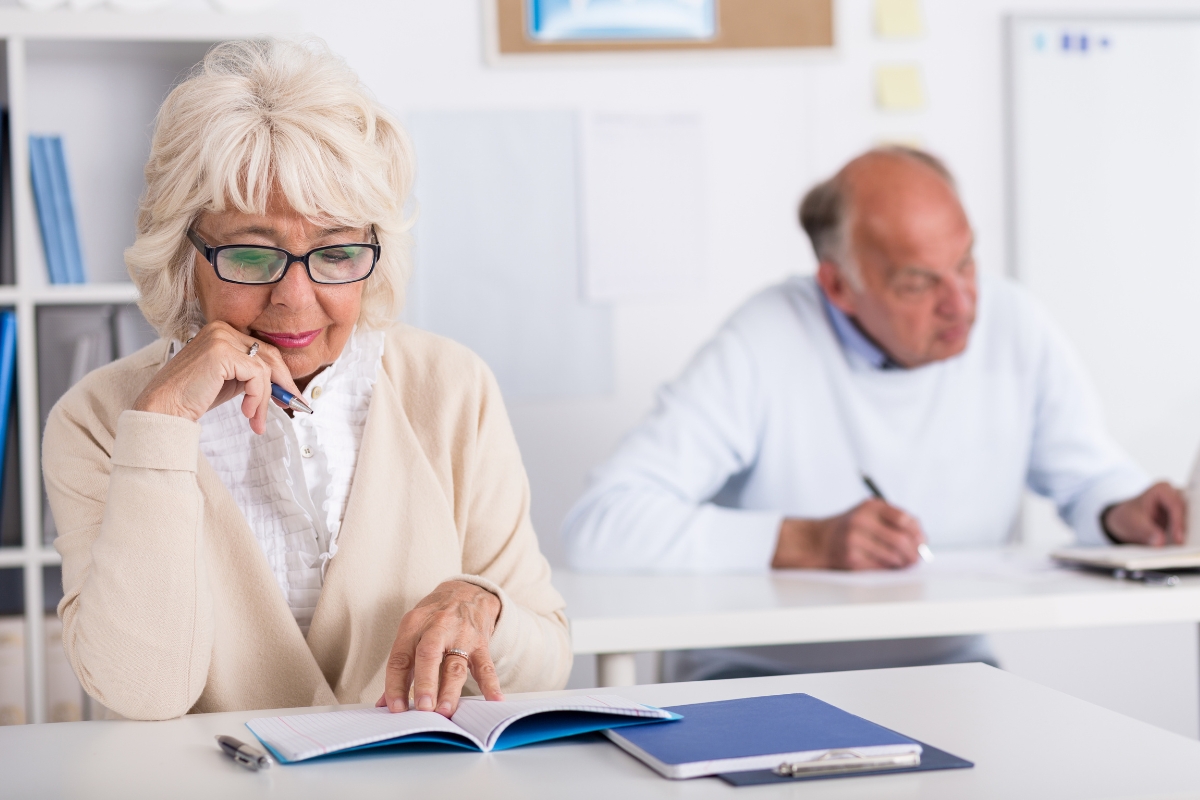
x=476 y=725
x=8 y=371
x=43 y=195
x=64 y=205
x=757 y=733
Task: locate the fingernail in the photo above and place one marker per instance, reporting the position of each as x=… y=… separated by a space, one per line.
x=444 y=708
x=425 y=703
x=398 y=705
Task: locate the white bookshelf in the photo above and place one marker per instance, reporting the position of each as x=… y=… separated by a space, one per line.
x=97 y=77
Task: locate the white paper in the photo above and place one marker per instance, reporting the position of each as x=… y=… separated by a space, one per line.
x=498 y=250
x=644 y=206
x=1014 y=566
x=615 y=20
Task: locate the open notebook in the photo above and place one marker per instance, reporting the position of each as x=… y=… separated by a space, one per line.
x=1131 y=557
x=477 y=725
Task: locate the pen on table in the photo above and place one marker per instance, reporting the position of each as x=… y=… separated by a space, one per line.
x=922 y=549
x=289 y=400
x=249 y=757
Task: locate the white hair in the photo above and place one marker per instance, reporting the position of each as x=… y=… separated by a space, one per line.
x=253 y=117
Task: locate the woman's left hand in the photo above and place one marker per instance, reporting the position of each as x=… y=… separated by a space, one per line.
x=454 y=616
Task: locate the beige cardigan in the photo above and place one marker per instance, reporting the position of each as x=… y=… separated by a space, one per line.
x=170 y=606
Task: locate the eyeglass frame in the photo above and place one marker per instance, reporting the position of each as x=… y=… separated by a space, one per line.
x=210 y=253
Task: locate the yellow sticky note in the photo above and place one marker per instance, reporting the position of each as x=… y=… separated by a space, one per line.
x=900 y=140
x=898 y=19
x=898 y=87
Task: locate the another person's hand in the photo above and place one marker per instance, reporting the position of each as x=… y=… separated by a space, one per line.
x=455 y=616
x=872 y=535
x=1156 y=517
x=212 y=368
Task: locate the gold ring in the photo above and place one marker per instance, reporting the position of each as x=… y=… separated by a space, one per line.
x=454 y=651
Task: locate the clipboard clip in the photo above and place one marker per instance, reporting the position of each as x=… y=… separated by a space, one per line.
x=837 y=761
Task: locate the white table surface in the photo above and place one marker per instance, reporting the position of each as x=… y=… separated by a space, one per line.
x=959 y=593
x=1026 y=741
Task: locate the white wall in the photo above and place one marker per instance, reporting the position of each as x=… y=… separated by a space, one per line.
x=775 y=124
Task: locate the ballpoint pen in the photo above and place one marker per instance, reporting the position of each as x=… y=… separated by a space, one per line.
x=922 y=549
x=289 y=400
x=244 y=754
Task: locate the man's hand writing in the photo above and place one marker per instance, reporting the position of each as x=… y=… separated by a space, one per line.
x=872 y=535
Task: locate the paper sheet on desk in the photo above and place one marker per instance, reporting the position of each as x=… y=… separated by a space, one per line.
x=1008 y=565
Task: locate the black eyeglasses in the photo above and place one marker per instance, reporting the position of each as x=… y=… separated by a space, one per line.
x=256 y=265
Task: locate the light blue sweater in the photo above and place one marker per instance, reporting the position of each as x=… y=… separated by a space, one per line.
x=777 y=416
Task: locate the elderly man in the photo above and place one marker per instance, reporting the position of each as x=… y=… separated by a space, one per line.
x=953 y=391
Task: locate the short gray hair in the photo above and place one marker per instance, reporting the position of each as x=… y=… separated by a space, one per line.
x=253 y=116
x=824 y=210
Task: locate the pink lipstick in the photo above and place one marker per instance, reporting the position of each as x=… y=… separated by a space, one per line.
x=290 y=340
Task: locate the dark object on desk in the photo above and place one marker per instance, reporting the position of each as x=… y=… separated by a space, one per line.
x=1150 y=577
x=755 y=733
x=246 y=755
x=931 y=759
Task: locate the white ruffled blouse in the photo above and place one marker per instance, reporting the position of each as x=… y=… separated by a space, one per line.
x=292 y=483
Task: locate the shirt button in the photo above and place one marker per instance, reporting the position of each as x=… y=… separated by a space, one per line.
x=306 y=451
x=316 y=392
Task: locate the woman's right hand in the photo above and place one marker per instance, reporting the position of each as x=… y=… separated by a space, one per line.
x=212 y=368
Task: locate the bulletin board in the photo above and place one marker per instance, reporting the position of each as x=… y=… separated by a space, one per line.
x=741 y=25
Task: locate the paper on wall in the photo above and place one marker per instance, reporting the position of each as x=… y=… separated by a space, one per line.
x=898 y=87
x=644 y=206
x=898 y=19
x=497 y=249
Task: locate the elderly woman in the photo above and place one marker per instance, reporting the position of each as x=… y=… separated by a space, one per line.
x=221 y=552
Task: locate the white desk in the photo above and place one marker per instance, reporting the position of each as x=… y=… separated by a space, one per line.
x=1026 y=741
x=959 y=593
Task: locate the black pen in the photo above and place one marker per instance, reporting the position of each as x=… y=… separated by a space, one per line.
x=249 y=757
x=922 y=549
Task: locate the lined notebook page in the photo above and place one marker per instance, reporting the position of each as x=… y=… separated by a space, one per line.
x=295 y=738
x=486 y=721
x=302 y=736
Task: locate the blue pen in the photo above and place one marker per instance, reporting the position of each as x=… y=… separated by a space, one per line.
x=289 y=400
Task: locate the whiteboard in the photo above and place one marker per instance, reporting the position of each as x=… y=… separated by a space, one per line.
x=1105 y=213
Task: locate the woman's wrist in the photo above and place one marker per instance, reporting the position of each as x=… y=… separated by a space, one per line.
x=156 y=403
x=488 y=599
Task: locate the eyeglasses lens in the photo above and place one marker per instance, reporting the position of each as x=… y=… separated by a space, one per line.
x=250 y=264
x=341 y=264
